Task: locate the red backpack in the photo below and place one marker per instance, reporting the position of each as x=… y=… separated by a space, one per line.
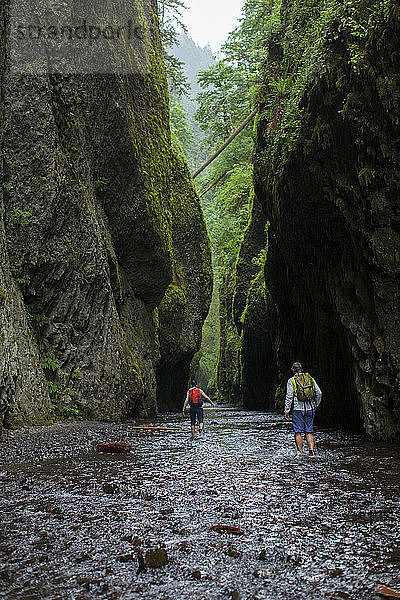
x=195 y=397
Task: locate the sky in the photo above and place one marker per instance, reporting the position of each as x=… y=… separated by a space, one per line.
x=210 y=21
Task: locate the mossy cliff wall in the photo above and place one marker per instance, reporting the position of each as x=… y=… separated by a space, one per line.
x=329 y=185
x=186 y=302
x=227 y=367
x=246 y=367
x=100 y=223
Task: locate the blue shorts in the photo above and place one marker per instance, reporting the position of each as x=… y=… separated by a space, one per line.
x=303 y=421
x=196 y=410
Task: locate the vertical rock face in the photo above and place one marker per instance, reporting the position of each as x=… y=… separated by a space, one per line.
x=101 y=221
x=187 y=299
x=246 y=368
x=332 y=270
x=22 y=377
x=228 y=369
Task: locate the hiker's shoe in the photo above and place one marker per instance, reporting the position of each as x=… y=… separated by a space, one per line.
x=311 y=452
x=299 y=454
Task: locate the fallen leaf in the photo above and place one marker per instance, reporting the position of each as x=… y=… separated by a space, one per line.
x=111 y=447
x=227 y=529
x=388 y=592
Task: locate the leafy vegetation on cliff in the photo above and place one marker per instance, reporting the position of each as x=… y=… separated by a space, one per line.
x=301 y=39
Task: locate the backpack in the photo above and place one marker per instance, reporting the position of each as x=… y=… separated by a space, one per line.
x=195 y=397
x=303 y=385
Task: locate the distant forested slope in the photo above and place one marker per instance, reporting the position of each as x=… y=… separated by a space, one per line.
x=194 y=59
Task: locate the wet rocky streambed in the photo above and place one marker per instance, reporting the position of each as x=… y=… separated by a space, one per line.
x=78 y=525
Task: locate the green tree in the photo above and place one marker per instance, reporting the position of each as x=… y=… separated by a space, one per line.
x=180 y=124
x=230 y=89
x=171 y=24
x=171 y=20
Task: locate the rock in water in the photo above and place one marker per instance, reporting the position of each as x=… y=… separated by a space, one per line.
x=262 y=555
x=110 y=488
x=196 y=574
x=156 y=557
x=124 y=558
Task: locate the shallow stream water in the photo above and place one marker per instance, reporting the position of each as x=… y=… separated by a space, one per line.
x=74 y=522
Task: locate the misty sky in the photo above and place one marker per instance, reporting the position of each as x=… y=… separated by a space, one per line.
x=210 y=21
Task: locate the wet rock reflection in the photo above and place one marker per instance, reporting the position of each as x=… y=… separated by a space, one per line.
x=79 y=525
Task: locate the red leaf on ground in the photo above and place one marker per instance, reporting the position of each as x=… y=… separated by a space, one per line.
x=383 y=590
x=111 y=447
x=227 y=529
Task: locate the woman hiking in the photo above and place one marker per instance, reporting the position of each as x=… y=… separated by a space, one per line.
x=194 y=398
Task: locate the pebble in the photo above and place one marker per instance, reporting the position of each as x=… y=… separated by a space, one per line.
x=195 y=574
x=110 y=488
x=124 y=558
x=156 y=558
x=166 y=511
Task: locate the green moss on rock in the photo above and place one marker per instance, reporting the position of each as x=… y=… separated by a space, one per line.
x=327 y=179
x=116 y=231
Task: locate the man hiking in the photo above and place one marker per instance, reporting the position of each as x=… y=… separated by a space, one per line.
x=194 y=398
x=304 y=394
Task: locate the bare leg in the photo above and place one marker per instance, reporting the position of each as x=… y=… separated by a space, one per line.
x=299 y=441
x=193 y=430
x=201 y=425
x=310 y=440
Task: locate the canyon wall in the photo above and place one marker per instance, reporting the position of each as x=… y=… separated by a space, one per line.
x=103 y=243
x=329 y=291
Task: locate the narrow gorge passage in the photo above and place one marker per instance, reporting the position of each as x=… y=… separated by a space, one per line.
x=74 y=522
x=106 y=240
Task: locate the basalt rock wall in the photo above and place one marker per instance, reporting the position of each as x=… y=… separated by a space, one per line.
x=247 y=373
x=228 y=370
x=333 y=263
x=106 y=275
